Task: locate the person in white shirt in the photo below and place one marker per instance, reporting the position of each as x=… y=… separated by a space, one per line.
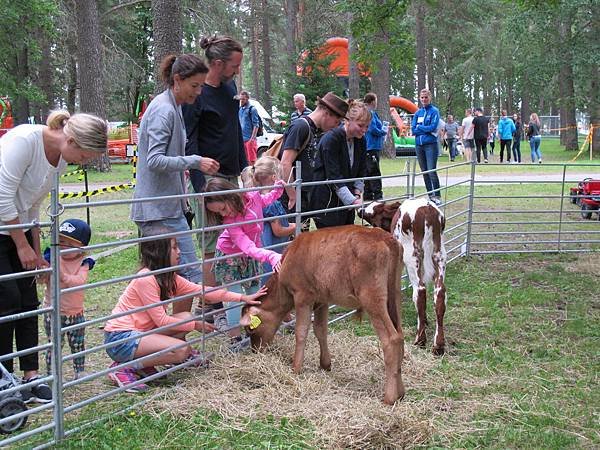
x=467 y=135
x=30 y=156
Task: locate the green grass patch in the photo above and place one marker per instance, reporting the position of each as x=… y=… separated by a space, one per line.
x=202 y=429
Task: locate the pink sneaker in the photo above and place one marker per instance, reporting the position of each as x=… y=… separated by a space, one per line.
x=199 y=359
x=126 y=376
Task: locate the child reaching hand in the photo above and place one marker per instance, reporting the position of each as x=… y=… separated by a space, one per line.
x=231 y=209
x=156 y=255
x=265 y=172
x=74 y=268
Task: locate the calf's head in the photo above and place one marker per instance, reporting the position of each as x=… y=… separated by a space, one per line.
x=380 y=214
x=262 y=322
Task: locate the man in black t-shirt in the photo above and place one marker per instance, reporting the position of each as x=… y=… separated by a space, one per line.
x=330 y=110
x=481 y=125
x=213 y=130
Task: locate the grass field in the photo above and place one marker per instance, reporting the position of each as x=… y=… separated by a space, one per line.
x=521 y=371
x=521 y=368
x=551 y=150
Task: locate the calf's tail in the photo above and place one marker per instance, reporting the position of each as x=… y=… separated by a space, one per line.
x=393 y=287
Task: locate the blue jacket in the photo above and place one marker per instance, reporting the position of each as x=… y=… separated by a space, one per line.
x=506 y=128
x=425 y=124
x=375 y=134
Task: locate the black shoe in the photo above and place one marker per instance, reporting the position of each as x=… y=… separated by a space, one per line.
x=40 y=393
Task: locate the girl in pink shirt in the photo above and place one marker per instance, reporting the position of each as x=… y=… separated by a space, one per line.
x=232 y=209
x=149 y=290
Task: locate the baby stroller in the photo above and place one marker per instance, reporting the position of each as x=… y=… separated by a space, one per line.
x=10 y=404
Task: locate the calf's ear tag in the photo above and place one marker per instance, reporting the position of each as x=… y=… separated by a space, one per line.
x=254 y=322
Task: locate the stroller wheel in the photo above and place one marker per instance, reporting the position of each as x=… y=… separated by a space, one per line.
x=9 y=407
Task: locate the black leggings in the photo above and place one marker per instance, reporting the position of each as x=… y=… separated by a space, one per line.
x=505 y=143
x=373 y=189
x=17 y=296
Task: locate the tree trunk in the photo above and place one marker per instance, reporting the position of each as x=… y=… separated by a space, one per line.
x=266 y=51
x=525 y=108
x=594 y=110
x=254 y=24
x=89 y=46
x=300 y=21
x=21 y=102
x=291 y=9
x=45 y=78
x=380 y=83
x=430 y=72
x=167 y=33
x=567 y=90
x=353 y=78
x=594 y=105
x=420 y=38
x=72 y=75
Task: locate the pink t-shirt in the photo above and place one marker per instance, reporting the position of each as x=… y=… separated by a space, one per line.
x=146 y=291
x=246 y=238
x=73 y=274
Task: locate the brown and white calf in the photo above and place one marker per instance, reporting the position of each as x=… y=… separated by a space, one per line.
x=418 y=225
x=350 y=266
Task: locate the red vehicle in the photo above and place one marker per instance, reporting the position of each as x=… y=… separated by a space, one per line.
x=121 y=139
x=6 y=118
x=587 y=195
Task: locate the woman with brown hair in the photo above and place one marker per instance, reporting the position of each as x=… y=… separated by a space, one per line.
x=162 y=161
x=342 y=154
x=535 y=138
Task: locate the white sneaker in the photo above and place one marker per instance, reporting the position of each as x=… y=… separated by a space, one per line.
x=540 y=161
x=221 y=322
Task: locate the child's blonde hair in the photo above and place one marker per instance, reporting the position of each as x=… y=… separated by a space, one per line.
x=265 y=166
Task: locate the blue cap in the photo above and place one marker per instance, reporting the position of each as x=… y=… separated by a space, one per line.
x=76 y=229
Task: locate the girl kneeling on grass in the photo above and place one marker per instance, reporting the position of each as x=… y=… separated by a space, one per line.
x=156 y=255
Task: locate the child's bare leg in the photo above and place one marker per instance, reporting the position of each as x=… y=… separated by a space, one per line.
x=157 y=342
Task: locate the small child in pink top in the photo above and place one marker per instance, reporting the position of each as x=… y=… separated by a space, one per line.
x=155 y=255
x=74 y=268
x=231 y=209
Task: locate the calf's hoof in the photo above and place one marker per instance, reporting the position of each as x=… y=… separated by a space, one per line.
x=438 y=351
x=391 y=400
x=326 y=366
x=420 y=342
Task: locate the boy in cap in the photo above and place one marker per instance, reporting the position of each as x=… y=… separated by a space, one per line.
x=74 y=268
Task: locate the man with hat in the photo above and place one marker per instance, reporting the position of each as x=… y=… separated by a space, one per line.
x=301 y=140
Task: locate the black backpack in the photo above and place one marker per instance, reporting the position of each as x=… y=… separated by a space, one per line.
x=260 y=131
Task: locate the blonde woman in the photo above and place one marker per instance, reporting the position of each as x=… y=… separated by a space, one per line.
x=342 y=154
x=535 y=138
x=30 y=156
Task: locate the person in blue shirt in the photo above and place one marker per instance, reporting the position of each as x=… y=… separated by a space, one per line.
x=249 y=121
x=375 y=137
x=506 y=128
x=424 y=127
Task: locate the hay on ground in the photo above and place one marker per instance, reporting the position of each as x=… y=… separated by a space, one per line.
x=344 y=406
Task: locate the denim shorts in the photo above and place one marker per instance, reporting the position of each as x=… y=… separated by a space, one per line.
x=125 y=351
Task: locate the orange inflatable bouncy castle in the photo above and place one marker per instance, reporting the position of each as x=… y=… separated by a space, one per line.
x=337 y=49
x=406 y=105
